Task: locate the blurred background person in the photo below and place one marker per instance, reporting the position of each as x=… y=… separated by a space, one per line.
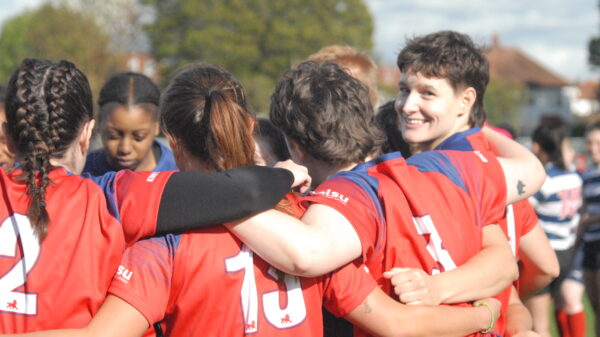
x=557 y=205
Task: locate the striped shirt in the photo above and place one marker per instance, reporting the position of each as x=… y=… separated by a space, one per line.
x=591 y=196
x=557 y=205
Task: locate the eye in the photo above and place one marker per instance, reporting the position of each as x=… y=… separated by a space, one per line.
x=112 y=135
x=140 y=136
x=404 y=91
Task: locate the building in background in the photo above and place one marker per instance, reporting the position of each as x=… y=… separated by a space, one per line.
x=545 y=91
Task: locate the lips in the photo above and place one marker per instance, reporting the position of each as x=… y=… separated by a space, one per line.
x=126 y=163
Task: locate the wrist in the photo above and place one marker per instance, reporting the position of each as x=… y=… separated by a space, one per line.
x=489 y=314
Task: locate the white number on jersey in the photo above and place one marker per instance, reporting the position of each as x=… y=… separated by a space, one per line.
x=435 y=248
x=511 y=229
x=293 y=314
x=15 y=227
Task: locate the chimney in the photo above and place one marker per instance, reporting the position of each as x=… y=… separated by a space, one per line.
x=495 y=41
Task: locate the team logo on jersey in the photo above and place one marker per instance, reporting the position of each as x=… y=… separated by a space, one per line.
x=152 y=176
x=124 y=274
x=12 y=305
x=332 y=195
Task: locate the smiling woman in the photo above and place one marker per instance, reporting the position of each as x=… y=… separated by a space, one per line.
x=128 y=124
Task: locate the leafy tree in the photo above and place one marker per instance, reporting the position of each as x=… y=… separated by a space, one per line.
x=502 y=102
x=254 y=39
x=54 y=33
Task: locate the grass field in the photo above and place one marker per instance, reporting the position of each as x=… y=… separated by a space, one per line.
x=589 y=315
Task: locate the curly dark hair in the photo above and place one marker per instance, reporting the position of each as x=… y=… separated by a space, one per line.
x=47 y=104
x=452 y=56
x=327 y=112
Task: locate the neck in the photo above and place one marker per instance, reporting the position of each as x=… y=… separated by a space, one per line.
x=320 y=171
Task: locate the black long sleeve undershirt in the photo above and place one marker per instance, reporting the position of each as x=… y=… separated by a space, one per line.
x=192 y=200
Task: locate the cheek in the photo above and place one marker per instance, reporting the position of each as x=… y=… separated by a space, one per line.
x=111 y=146
x=144 y=147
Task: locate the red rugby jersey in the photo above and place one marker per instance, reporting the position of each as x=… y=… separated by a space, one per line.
x=426 y=213
x=519 y=219
x=207 y=283
x=61 y=282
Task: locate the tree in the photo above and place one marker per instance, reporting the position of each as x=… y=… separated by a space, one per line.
x=54 y=33
x=502 y=102
x=254 y=39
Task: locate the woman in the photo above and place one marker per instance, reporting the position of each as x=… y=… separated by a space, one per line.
x=60 y=232
x=208 y=283
x=128 y=127
x=557 y=205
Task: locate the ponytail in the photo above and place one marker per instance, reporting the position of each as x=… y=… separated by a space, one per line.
x=230 y=143
x=204 y=107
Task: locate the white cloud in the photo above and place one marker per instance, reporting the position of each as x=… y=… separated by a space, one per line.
x=551 y=31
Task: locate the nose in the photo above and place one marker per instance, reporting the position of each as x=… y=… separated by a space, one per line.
x=406 y=103
x=125 y=146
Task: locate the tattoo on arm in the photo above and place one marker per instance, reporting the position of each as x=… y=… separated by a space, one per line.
x=367 y=309
x=520 y=187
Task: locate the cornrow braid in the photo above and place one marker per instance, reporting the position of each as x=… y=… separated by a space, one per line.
x=45 y=108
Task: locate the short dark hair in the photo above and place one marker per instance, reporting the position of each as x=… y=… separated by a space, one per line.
x=388 y=120
x=327 y=112
x=2 y=93
x=274 y=137
x=452 y=56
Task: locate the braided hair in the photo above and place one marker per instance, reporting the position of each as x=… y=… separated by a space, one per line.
x=46 y=106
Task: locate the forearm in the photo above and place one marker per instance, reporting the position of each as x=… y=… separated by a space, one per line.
x=195 y=199
x=518 y=318
x=538 y=264
x=381 y=316
x=524 y=173
x=311 y=248
x=480 y=277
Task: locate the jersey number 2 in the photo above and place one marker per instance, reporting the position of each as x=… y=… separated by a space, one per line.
x=15 y=227
x=293 y=314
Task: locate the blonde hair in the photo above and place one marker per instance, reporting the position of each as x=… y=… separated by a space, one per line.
x=348 y=58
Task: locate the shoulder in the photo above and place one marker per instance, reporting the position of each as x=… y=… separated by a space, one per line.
x=96 y=163
x=167 y=160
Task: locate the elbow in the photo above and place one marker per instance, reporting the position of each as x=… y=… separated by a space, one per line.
x=512 y=272
x=540 y=174
x=552 y=269
x=304 y=262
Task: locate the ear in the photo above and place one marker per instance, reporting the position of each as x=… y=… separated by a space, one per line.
x=10 y=145
x=175 y=147
x=86 y=135
x=297 y=152
x=467 y=98
x=156 y=128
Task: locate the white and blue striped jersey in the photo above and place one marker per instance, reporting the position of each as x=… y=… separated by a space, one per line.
x=557 y=205
x=591 y=197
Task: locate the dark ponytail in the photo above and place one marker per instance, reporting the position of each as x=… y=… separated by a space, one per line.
x=549 y=135
x=46 y=106
x=205 y=108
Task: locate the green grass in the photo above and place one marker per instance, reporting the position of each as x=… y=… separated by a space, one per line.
x=589 y=322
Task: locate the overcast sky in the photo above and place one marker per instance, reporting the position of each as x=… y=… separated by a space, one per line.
x=553 y=32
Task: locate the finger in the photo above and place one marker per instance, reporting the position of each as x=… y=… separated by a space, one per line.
x=390 y=273
x=412 y=296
